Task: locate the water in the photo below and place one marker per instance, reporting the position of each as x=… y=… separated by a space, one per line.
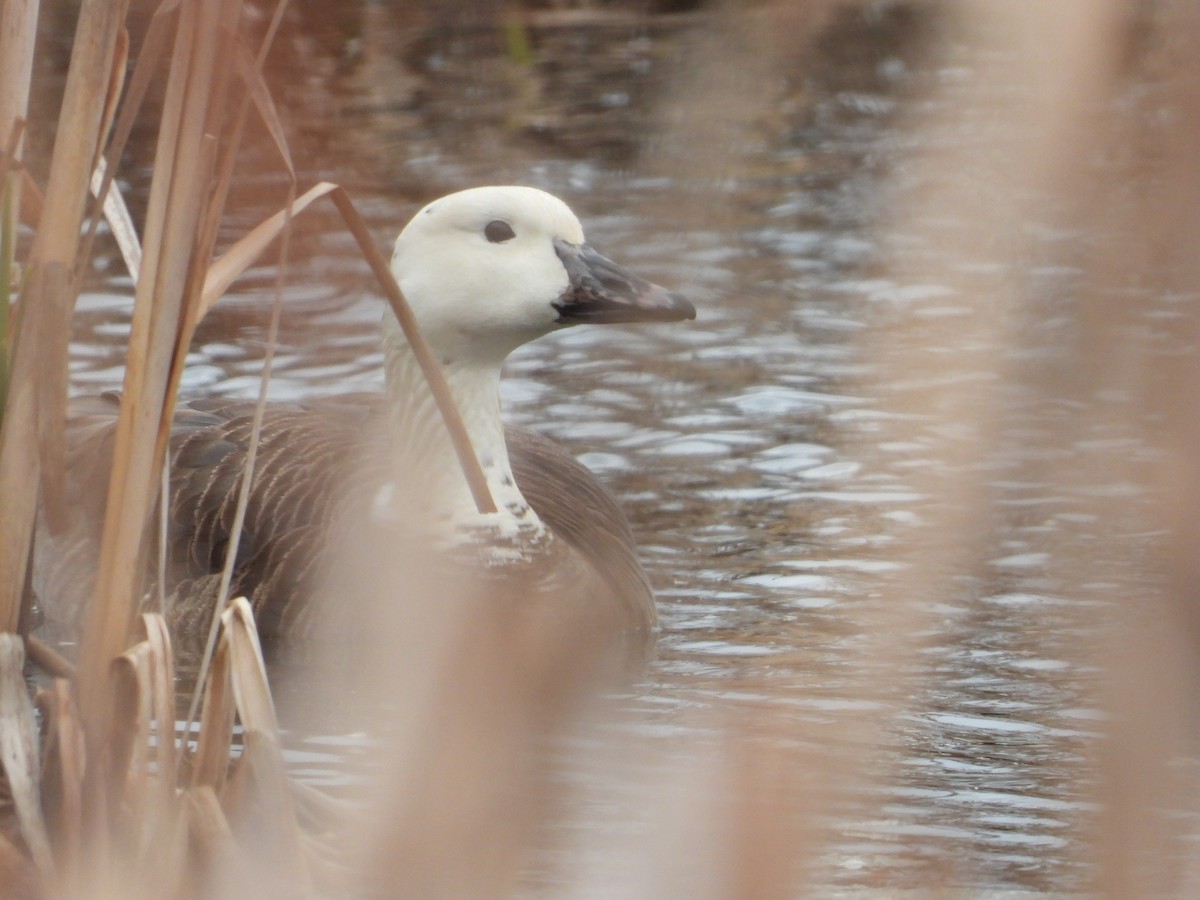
x=752 y=448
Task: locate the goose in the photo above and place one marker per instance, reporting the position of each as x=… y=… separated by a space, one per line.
x=484 y=271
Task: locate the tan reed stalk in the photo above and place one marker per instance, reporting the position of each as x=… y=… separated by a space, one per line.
x=31 y=434
x=179 y=189
x=18 y=26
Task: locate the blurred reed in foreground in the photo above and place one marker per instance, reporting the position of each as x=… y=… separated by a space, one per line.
x=102 y=804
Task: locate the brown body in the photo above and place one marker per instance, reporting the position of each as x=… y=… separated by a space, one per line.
x=318 y=466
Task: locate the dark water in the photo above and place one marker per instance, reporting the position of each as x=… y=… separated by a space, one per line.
x=744 y=445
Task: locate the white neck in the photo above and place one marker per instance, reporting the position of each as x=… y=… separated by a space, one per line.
x=427 y=479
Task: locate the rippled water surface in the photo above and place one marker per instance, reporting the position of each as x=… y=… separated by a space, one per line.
x=745 y=445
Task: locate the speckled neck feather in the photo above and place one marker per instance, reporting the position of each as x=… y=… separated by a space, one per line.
x=427 y=475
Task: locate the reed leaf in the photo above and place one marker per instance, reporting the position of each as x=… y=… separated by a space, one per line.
x=64 y=758
x=120 y=223
x=18 y=750
x=210 y=765
x=166 y=756
x=259 y=795
x=154 y=46
x=250 y=70
x=235 y=261
x=131 y=729
x=210 y=838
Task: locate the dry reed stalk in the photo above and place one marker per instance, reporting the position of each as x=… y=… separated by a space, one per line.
x=31 y=434
x=183 y=167
x=169 y=278
x=18 y=31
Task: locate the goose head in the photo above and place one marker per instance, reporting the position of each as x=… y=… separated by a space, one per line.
x=488 y=269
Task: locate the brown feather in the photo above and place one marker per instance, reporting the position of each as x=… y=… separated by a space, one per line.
x=314 y=460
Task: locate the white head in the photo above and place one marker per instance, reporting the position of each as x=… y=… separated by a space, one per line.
x=488 y=269
x=484 y=271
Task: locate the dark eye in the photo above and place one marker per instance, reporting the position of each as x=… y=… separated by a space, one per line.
x=498 y=232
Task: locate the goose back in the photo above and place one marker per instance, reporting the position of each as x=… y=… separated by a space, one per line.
x=318 y=463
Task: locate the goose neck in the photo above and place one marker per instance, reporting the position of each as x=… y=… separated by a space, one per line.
x=423 y=458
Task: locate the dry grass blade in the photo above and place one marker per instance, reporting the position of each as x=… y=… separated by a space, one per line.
x=50 y=660
x=129 y=744
x=211 y=838
x=18 y=31
x=148 y=670
x=116 y=213
x=247 y=669
x=259 y=796
x=102 y=187
x=145 y=723
x=163 y=684
x=211 y=763
x=32 y=201
x=230 y=266
x=250 y=70
x=420 y=347
x=154 y=46
x=18 y=749
x=63 y=764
